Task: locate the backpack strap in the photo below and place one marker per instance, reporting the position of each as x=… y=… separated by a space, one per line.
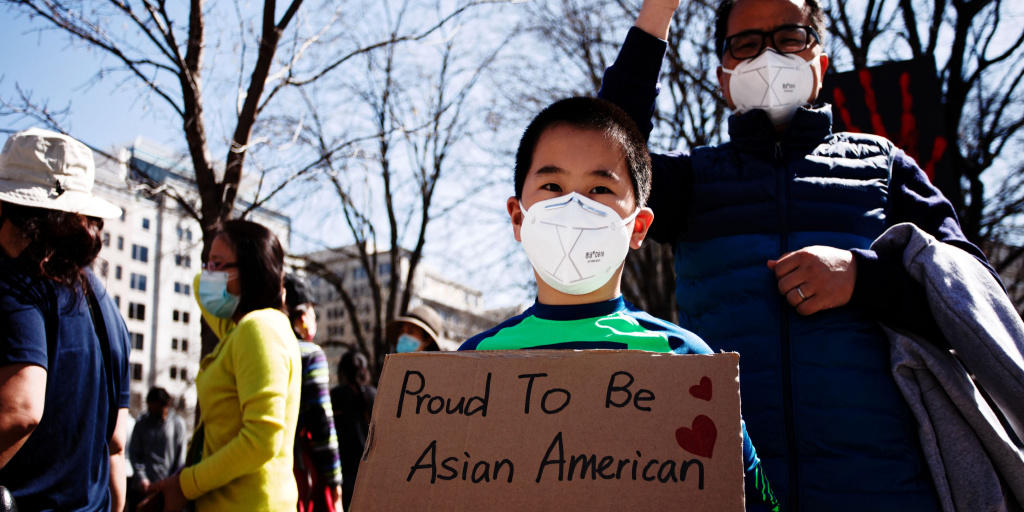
x=100 y=327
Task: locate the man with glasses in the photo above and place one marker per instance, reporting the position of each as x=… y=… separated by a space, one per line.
x=771 y=232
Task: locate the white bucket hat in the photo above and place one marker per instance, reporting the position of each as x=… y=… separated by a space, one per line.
x=45 y=169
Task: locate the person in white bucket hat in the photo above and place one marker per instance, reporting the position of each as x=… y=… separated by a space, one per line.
x=63 y=344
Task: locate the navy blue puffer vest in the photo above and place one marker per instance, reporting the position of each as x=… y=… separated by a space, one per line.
x=820 y=404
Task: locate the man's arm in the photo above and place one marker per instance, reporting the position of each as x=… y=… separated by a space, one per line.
x=118 y=482
x=22 y=397
x=818 y=278
x=632 y=83
x=883 y=285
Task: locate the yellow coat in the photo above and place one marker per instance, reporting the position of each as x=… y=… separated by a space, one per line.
x=248 y=390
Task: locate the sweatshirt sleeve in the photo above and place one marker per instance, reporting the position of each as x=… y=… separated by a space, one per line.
x=632 y=81
x=263 y=369
x=883 y=286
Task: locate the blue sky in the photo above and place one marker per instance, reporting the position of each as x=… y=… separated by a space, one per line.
x=54 y=70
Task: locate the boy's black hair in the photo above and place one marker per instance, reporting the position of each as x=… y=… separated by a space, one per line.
x=814 y=13
x=590 y=114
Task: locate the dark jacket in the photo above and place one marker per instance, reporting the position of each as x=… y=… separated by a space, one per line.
x=831 y=428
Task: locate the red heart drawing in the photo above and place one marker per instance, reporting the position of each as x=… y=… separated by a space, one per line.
x=700 y=440
x=702 y=390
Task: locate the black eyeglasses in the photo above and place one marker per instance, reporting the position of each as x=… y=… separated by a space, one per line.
x=788 y=39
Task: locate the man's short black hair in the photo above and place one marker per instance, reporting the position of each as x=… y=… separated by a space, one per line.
x=814 y=13
x=590 y=114
x=158 y=395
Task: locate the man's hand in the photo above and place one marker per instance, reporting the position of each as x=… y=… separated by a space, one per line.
x=656 y=16
x=144 y=485
x=816 y=278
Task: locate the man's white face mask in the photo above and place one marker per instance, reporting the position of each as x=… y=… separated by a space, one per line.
x=575 y=243
x=774 y=82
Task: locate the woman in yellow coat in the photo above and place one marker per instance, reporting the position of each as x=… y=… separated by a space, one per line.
x=249 y=386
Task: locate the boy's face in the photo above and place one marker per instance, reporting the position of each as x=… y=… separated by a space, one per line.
x=569 y=159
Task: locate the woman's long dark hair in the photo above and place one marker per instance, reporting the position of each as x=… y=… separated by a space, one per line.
x=260 y=265
x=60 y=244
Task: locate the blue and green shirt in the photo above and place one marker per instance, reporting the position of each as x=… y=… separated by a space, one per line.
x=613 y=324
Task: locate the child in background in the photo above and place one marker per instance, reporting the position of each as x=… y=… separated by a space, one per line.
x=582 y=177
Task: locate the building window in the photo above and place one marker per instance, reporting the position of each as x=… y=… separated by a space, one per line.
x=137 y=340
x=359 y=273
x=182 y=261
x=184 y=316
x=138 y=282
x=120 y=243
x=140 y=253
x=174 y=372
x=106 y=239
x=104 y=268
x=182 y=288
x=384 y=269
x=145 y=224
x=117 y=300
x=122 y=214
x=117 y=272
x=136 y=311
x=184 y=345
x=174 y=343
x=136 y=371
x=175 y=315
x=184 y=234
x=184 y=374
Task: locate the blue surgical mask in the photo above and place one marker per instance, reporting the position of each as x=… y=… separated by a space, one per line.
x=407 y=343
x=214 y=296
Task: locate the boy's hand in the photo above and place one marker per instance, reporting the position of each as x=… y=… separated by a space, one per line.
x=816 y=278
x=656 y=16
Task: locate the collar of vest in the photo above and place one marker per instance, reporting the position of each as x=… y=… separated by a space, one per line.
x=753 y=130
x=577 y=311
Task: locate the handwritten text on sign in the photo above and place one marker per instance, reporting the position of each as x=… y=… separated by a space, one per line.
x=506 y=430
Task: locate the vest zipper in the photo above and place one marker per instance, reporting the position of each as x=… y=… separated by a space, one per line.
x=785 y=349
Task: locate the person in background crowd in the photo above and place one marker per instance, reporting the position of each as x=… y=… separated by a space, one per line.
x=159 y=441
x=317 y=466
x=248 y=388
x=63 y=344
x=418 y=331
x=772 y=233
x=353 y=407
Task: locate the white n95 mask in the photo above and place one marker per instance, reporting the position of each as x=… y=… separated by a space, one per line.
x=575 y=243
x=774 y=82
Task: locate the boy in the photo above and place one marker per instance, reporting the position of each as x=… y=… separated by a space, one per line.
x=582 y=177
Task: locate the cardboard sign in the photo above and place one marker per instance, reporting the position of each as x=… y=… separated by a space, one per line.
x=553 y=430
